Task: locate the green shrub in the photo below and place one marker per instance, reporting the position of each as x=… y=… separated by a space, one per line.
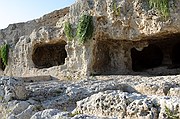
x=85 y=28
x=4 y=54
x=170 y=114
x=68 y=30
x=161 y=5
x=117 y=10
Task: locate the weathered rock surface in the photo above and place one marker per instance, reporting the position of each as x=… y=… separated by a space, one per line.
x=12 y=88
x=174 y=92
x=100 y=97
x=56 y=114
x=120 y=105
x=18 y=109
x=49 y=114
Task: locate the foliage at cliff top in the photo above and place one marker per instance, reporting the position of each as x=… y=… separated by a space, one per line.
x=161 y=5
x=85 y=28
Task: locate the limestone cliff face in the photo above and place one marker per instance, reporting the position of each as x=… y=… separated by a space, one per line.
x=136 y=37
x=134 y=20
x=21 y=45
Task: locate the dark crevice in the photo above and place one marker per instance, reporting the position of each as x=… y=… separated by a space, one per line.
x=2 y=66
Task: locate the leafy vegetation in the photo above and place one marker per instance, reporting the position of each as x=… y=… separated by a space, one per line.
x=4 y=54
x=85 y=28
x=161 y=5
x=117 y=10
x=68 y=30
x=74 y=114
x=170 y=114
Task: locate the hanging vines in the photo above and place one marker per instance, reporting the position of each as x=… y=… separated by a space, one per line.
x=68 y=30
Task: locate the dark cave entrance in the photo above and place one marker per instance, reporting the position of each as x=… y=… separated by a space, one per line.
x=176 y=54
x=149 y=57
x=161 y=56
x=49 y=55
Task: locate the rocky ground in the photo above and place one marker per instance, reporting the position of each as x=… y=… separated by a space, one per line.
x=99 y=97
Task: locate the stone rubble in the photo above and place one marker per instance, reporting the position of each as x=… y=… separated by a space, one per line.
x=99 y=97
x=120 y=105
x=12 y=88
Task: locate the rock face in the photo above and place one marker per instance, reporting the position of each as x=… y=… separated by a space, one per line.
x=128 y=37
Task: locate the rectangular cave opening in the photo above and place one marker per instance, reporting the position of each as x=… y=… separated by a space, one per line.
x=49 y=55
x=160 y=56
x=107 y=57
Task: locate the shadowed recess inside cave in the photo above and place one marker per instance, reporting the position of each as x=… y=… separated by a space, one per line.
x=176 y=55
x=161 y=56
x=107 y=57
x=49 y=55
x=149 y=57
x=102 y=58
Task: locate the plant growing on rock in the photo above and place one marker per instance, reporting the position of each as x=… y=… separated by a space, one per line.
x=74 y=114
x=85 y=28
x=68 y=30
x=116 y=10
x=170 y=114
x=4 y=54
x=161 y=5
